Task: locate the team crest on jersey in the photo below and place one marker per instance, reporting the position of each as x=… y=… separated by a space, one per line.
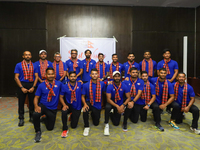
x=138 y=83
x=120 y=89
x=77 y=87
x=133 y=65
x=55 y=86
x=91 y=63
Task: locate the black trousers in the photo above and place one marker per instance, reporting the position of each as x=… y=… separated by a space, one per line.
x=74 y=117
x=178 y=115
x=95 y=114
x=49 y=120
x=22 y=98
x=115 y=117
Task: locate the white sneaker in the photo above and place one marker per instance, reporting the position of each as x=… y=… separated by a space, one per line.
x=106 y=129
x=196 y=131
x=86 y=131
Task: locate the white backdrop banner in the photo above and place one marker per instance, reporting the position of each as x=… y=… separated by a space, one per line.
x=107 y=46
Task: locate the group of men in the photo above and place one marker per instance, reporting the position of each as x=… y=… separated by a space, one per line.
x=81 y=85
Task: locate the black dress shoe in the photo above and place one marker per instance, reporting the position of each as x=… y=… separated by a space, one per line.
x=21 y=122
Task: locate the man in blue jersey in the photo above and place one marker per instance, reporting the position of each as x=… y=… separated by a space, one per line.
x=164 y=94
x=129 y=64
x=135 y=86
x=115 y=100
x=91 y=99
x=185 y=98
x=72 y=102
x=59 y=68
x=88 y=65
x=115 y=66
x=42 y=65
x=74 y=64
x=148 y=65
x=48 y=92
x=171 y=67
x=102 y=67
x=26 y=77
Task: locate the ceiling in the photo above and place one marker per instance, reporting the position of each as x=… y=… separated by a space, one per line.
x=157 y=3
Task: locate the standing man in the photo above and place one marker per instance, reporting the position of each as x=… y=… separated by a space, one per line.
x=185 y=98
x=48 y=92
x=129 y=64
x=115 y=66
x=26 y=77
x=91 y=99
x=102 y=67
x=116 y=100
x=72 y=102
x=164 y=94
x=88 y=65
x=42 y=65
x=74 y=64
x=148 y=65
x=135 y=87
x=59 y=68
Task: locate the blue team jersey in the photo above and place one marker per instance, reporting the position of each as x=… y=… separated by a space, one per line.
x=153 y=92
x=69 y=64
x=147 y=67
x=86 y=75
x=138 y=86
x=122 y=91
x=19 y=70
x=172 y=66
x=67 y=93
x=37 y=64
x=170 y=89
x=121 y=68
x=190 y=93
x=57 y=72
x=101 y=69
x=43 y=92
x=126 y=67
x=85 y=92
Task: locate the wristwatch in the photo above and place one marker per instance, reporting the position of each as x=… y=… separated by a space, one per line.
x=124 y=104
x=148 y=105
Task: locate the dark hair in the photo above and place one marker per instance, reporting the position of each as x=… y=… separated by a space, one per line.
x=133 y=68
x=147 y=51
x=182 y=73
x=114 y=54
x=166 y=50
x=50 y=68
x=88 y=50
x=143 y=72
x=130 y=54
x=71 y=72
x=94 y=69
x=100 y=54
x=74 y=50
x=162 y=69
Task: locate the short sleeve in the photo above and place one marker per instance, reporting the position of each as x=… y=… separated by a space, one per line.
x=17 y=69
x=155 y=65
x=109 y=89
x=63 y=89
x=39 y=90
x=81 y=64
x=170 y=87
x=141 y=85
x=153 y=92
x=84 y=89
x=191 y=92
x=176 y=65
x=65 y=67
x=159 y=65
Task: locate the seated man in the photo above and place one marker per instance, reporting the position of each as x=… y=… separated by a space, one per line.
x=115 y=100
x=184 y=96
x=72 y=104
x=92 y=98
x=48 y=92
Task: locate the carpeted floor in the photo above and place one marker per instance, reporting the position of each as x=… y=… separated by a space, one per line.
x=139 y=136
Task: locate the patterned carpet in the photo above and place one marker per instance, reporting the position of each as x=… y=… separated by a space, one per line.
x=139 y=136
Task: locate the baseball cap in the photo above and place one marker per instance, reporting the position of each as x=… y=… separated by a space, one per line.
x=116 y=72
x=41 y=51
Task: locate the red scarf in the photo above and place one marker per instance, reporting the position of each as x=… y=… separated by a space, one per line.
x=98 y=68
x=61 y=68
x=87 y=65
x=111 y=70
x=176 y=87
x=75 y=65
x=98 y=92
x=133 y=89
x=130 y=66
x=73 y=92
x=43 y=67
x=146 y=93
x=150 y=67
x=51 y=92
x=166 y=65
x=117 y=97
x=165 y=91
x=28 y=72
